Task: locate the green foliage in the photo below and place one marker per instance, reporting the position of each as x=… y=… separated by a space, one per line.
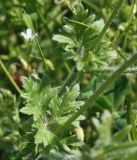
x=107 y=146
x=122 y=89
x=77 y=37
x=49 y=111
x=9 y=122
x=89 y=115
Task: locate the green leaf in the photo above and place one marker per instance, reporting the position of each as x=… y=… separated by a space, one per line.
x=49 y=111
x=80 y=65
x=63 y=39
x=121 y=151
x=121 y=135
x=27 y=110
x=105 y=103
x=27 y=19
x=78 y=35
x=72 y=140
x=122 y=88
x=104 y=128
x=69 y=103
x=37 y=98
x=44 y=136
x=99 y=25
x=132 y=121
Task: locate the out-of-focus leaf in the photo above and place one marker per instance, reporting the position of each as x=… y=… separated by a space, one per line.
x=122 y=89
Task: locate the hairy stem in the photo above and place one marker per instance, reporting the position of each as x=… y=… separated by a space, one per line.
x=96 y=95
x=109 y=70
x=69 y=80
x=43 y=20
x=42 y=56
x=96 y=41
x=9 y=77
x=108 y=23
x=38 y=44
x=93 y=6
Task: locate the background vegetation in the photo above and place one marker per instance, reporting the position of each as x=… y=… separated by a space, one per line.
x=69 y=91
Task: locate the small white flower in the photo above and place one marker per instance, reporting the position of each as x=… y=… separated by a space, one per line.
x=28 y=35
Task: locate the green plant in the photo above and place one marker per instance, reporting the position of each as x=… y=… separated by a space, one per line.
x=91 y=114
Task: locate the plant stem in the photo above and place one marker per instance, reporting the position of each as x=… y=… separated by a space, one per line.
x=9 y=77
x=42 y=56
x=81 y=24
x=38 y=44
x=108 y=23
x=92 y=6
x=69 y=80
x=68 y=5
x=108 y=70
x=96 y=41
x=96 y=95
x=43 y=20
